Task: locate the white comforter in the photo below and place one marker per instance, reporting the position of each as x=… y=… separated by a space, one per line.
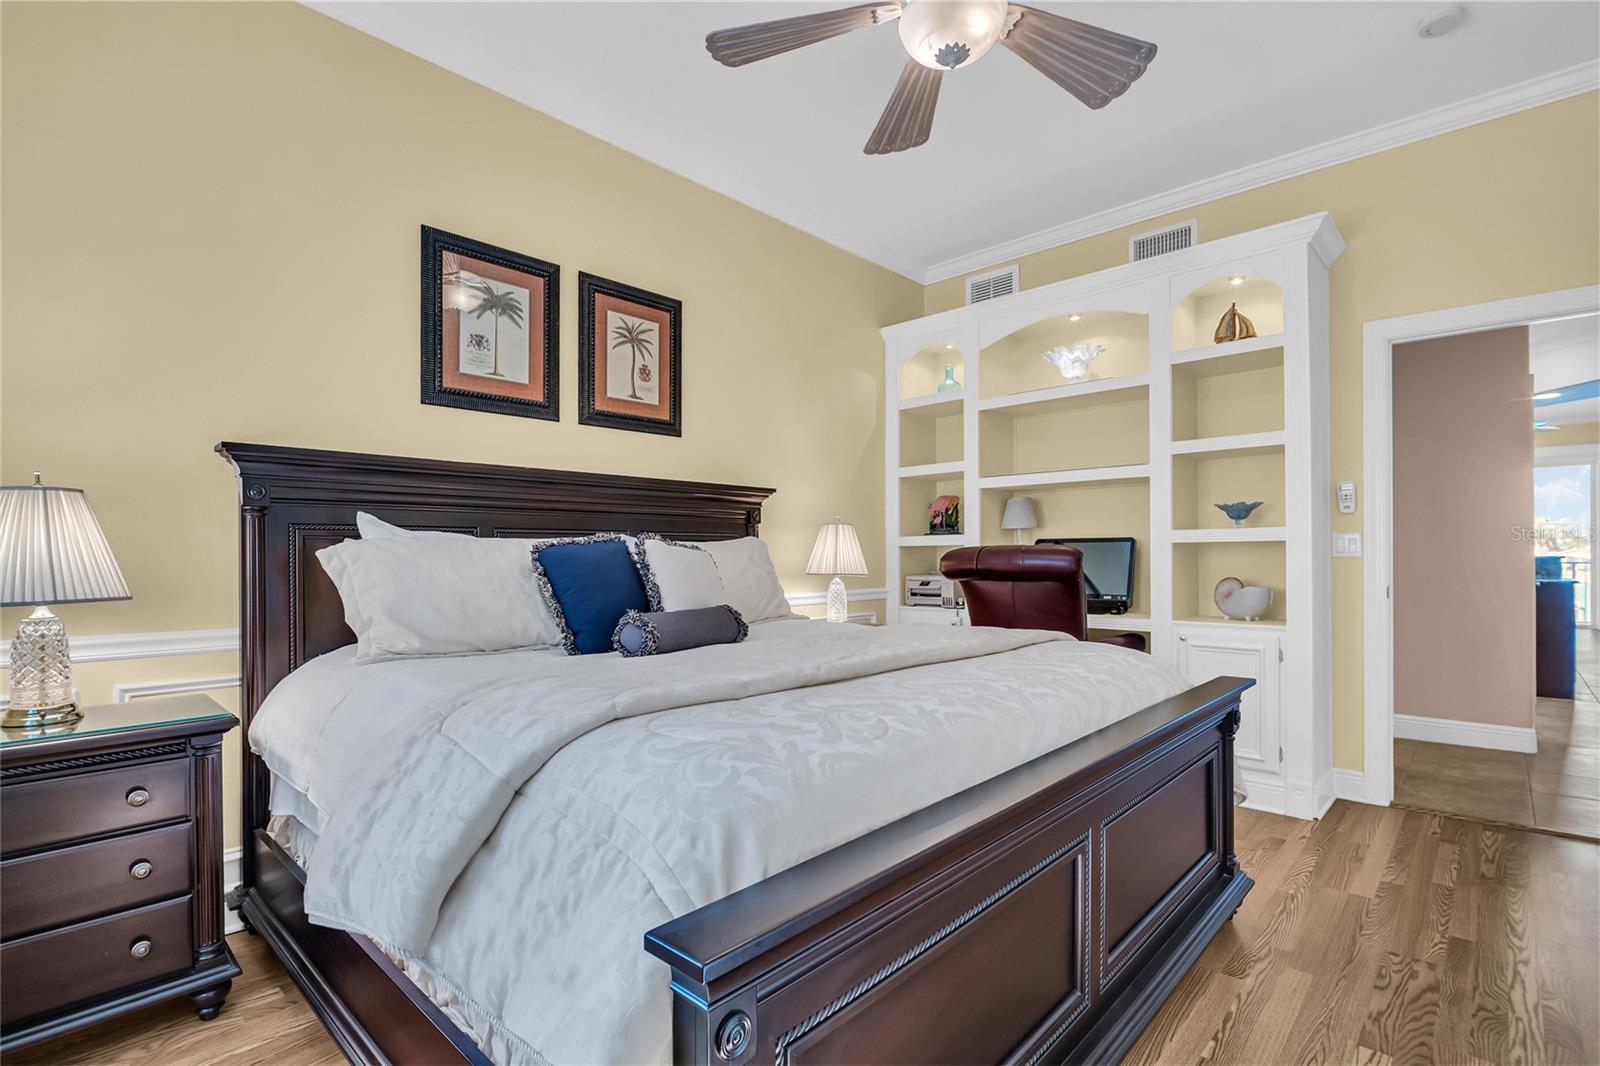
x=511 y=825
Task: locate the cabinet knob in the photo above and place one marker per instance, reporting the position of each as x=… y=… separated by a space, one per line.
x=137 y=797
x=141 y=948
x=141 y=869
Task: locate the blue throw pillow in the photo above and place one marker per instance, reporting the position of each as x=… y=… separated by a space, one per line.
x=589 y=583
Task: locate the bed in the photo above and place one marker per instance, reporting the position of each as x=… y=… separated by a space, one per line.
x=1039 y=912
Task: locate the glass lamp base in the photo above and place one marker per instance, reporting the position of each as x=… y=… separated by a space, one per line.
x=41 y=674
x=838 y=602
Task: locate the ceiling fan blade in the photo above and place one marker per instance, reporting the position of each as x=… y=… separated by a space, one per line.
x=1093 y=64
x=761 y=40
x=908 y=119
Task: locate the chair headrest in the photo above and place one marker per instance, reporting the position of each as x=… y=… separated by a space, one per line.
x=1008 y=562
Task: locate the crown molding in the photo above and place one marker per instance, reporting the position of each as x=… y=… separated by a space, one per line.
x=1520 y=97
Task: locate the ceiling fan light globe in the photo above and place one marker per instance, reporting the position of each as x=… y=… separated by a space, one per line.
x=951 y=34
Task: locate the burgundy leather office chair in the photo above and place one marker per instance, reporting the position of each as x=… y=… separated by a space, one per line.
x=1033 y=586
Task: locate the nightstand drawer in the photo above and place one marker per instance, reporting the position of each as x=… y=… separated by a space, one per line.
x=66 y=808
x=63 y=886
x=49 y=970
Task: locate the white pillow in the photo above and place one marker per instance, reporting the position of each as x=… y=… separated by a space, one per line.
x=748 y=578
x=373 y=528
x=438 y=595
x=685 y=575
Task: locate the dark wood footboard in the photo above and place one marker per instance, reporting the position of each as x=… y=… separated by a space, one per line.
x=1041 y=916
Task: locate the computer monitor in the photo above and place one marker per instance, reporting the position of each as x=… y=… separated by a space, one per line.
x=1107 y=570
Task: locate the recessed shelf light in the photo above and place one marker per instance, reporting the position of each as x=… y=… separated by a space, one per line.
x=1074 y=318
x=949 y=347
x=1549 y=394
x=1237 y=279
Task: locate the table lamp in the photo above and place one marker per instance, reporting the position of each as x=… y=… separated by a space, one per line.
x=51 y=551
x=1019 y=515
x=837 y=551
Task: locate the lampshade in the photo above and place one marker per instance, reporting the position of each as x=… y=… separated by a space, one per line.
x=837 y=551
x=1019 y=514
x=52 y=549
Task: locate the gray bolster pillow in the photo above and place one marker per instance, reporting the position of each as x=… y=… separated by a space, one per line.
x=664 y=632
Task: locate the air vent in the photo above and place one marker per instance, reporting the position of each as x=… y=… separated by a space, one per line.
x=994 y=284
x=1171 y=239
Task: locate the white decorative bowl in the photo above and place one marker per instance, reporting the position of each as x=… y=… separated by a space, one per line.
x=1248 y=603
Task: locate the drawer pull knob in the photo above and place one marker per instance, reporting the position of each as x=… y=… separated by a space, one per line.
x=141 y=948
x=137 y=797
x=141 y=870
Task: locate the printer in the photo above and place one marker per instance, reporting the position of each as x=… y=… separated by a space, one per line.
x=932 y=590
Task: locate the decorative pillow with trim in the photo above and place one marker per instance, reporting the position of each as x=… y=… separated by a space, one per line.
x=686 y=575
x=664 y=632
x=589 y=583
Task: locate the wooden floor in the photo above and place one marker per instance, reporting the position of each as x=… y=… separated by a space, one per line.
x=1557 y=789
x=1375 y=935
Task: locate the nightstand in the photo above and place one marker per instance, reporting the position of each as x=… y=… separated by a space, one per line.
x=111 y=866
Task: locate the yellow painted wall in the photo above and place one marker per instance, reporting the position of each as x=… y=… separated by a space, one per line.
x=1577 y=433
x=1506 y=208
x=211 y=220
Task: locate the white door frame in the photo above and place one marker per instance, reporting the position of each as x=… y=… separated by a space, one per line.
x=1579 y=455
x=1377 y=419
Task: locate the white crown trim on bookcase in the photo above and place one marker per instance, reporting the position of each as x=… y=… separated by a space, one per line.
x=1520 y=97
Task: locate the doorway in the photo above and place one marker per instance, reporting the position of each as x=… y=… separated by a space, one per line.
x=1566 y=742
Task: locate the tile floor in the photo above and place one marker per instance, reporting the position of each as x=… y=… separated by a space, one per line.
x=1557 y=789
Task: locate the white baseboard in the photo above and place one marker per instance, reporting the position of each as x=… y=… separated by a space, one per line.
x=1466 y=734
x=1264 y=796
x=232 y=874
x=1350 y=785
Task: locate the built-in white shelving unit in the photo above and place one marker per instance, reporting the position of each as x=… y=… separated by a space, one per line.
x=1167 y=425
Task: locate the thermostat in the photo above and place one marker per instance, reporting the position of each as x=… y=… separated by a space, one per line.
x=1347 y=497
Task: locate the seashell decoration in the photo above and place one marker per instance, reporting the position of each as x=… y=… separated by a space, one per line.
x=1073 y=360
x=1234 y=326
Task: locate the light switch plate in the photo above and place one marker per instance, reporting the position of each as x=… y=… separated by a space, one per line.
x=1347 y=545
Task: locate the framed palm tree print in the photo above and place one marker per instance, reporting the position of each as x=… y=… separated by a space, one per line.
x=630 y=357
x=489 y=328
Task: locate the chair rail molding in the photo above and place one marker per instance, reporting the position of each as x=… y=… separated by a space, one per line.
x=1377 y=439
x=113 y=647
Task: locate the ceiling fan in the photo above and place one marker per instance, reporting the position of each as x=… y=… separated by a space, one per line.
x=1091 y=63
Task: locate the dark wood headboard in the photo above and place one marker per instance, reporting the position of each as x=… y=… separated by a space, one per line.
x=293 y=501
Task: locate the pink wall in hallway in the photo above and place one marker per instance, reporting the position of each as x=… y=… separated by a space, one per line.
x=1463 y=489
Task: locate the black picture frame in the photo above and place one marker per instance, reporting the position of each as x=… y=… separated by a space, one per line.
x=435 y=390
x=592 y=286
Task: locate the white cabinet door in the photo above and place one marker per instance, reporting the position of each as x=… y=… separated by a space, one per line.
x=1204 y=653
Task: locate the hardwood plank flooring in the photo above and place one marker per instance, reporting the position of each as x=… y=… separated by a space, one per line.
x=1375 y=936
x=1556 y=790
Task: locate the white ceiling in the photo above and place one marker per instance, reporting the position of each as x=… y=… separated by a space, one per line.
x=1234 y=85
